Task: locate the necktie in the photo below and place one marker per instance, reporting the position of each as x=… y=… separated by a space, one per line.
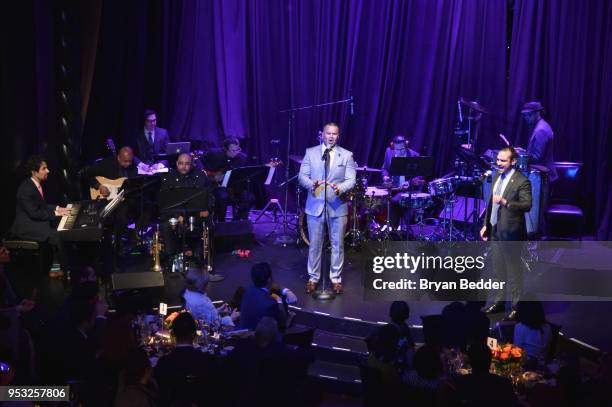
x=329 y=159
x=41 y=191
x=498 y=191
x=150 y=134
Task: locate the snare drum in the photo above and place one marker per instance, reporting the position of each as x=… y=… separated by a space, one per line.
x=416 y=200
x=374 y=196
x=442 y=186
x=522 y=162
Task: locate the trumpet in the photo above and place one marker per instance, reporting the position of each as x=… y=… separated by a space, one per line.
x=156 y=248
x=206 y=249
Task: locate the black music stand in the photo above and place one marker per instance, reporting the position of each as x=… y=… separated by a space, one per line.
x=410 y=167
x=186 y=201
x=242 y=178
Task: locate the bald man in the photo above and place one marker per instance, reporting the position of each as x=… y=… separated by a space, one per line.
x=114 y=167
x=184 y=176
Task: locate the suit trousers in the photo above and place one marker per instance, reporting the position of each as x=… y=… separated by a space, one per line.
x=316 y=233
x=508 y=267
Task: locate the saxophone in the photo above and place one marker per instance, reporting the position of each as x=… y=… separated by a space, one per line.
x=155 y=251
x=206 y=249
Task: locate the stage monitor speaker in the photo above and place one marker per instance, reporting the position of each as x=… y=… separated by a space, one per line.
x=235 y=235
x=141 y=291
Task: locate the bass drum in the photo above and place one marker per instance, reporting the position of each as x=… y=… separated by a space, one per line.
x=304 y=226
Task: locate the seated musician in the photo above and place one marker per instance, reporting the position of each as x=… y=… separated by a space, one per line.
x=112 y=171
x=184 y=176
x=399 y=148
x=216 y=162
x=33 y=215
x=150 y=140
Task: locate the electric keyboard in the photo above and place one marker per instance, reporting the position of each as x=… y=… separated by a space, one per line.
x=83 y=224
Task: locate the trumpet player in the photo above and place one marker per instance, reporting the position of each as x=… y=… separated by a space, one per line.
x=184 y=176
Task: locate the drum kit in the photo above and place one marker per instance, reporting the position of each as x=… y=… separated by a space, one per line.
x=369 y=217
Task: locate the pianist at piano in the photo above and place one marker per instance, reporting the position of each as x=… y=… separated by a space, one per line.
x=119 y=168
x=33 y=215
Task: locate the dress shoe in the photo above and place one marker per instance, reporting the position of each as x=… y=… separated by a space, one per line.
x=311 y=286
x=495 y=308
x=337 y=288
x=511 y=316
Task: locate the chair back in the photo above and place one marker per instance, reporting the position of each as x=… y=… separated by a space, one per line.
x=567 y=188
x=433 y=329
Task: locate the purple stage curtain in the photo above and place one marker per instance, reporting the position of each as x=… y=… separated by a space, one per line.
x=562 y=55
x=230 y=66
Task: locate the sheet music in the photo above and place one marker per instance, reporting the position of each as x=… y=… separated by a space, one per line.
x=112 y=204
x=154 y=169
x=226 y=178
x=270 y=176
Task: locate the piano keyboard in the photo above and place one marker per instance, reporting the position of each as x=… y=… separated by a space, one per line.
x=67 y=222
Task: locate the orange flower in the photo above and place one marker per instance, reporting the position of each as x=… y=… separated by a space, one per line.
x=504 y=356
x=517 y=353
x=507 y=348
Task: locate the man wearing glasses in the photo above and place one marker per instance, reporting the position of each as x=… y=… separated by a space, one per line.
x=216 y=162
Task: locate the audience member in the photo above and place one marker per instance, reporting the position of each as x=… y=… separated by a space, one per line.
x=257 y=301
x=532 y=333
x=383 y=354
x=482 y=388
x=263 y=366
x=136 y=385
x=399 y=312
x=184 y=363
x=79 y=346
x=200 y=306
x=428 y=370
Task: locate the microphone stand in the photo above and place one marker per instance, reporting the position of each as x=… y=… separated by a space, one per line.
x=324 y=294
x=285 y=239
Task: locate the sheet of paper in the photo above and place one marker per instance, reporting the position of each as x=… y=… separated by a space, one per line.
x=226 y=178
x=270 y=176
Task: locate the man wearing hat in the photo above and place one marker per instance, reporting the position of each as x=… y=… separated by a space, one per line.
x=540 y=147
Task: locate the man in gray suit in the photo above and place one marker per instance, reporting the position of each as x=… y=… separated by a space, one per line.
x=505 y=221
x=151 y=140
x=340 y=179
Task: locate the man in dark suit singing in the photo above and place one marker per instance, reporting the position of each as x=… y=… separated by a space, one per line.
x=505 y=221
x=33 y=216
x=150 y=140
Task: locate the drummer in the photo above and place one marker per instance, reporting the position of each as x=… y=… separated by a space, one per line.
x=400 y=147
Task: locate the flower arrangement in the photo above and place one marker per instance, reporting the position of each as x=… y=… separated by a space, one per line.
x=507 y=359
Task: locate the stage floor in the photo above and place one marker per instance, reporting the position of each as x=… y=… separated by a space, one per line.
x=582 y=320
x=586 y=321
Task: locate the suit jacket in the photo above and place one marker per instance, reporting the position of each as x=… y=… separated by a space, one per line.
x=256 y=304
x=184 y=361
x=342 y=173
x=541 y=148
x=146 y=151
x=511 y=218
x=108 y=168
x=33 y=215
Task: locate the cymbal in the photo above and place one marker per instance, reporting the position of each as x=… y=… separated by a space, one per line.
x=473 y=105
x=367 y=169
x=297 y=158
